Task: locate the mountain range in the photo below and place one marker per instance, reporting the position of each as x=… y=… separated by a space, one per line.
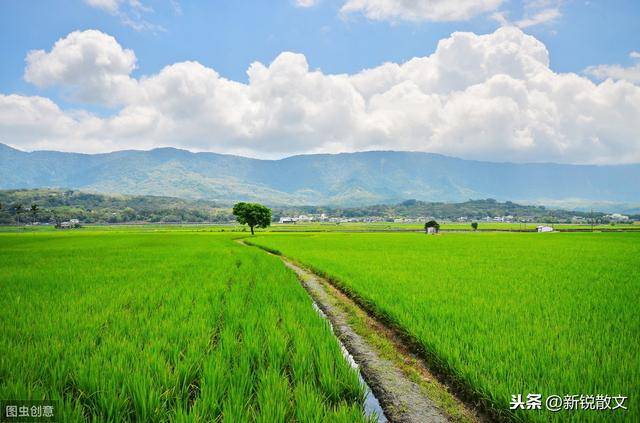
x=347 y=179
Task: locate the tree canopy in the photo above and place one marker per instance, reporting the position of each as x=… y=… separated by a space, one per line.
x=431 y=224
x=252 y=214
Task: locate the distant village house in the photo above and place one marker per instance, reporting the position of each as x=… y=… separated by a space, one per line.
x=72 y=223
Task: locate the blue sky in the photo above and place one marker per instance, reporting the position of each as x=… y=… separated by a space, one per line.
x=228 y=36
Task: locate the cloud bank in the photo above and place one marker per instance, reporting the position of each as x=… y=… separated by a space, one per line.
x=490 y=97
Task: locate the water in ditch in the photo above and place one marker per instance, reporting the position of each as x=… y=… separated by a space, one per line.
x=371 y=404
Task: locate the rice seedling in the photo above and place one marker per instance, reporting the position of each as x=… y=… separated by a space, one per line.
x=160 y=326
x=504 y=314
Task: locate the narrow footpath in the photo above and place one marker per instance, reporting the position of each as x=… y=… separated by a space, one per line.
x=401 y=398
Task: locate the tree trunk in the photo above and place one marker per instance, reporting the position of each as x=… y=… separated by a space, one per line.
x=251 y=230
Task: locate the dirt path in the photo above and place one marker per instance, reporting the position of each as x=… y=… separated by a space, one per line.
x=401 y=399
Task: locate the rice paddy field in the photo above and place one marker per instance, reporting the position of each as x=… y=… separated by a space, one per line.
x=166 y=323
x=333 y=227
x=165 y=326
x=502 y=313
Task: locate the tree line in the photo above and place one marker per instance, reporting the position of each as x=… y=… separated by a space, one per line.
x=51 y=206
x=54 y=206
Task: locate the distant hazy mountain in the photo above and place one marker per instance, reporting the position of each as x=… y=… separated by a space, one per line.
x=322 y=179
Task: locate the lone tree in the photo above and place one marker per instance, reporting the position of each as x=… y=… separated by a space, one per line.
x=431 y=224
x=474 y=225
x=252 y=214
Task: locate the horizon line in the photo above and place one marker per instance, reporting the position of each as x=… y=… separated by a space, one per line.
x=315 y=154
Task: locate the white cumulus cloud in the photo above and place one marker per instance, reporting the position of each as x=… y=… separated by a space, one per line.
x=487 y=96
x=91 y=65
x=38 y=123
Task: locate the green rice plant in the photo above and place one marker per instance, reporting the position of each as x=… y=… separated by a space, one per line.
x=309 y=405
x=500 y=313
x=164 y=326
x=273 y=396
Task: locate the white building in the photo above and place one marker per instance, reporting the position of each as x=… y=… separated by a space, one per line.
x=305 y=218
x=617 y=217
x=545 y=229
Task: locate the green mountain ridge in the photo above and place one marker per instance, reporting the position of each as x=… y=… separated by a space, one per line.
x=346 y=179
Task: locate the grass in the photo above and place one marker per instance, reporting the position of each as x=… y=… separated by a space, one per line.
x=500 y=313
x=393 y=349
x=165 y=326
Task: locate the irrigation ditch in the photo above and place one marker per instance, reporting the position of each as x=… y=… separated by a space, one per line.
x=401 y=388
